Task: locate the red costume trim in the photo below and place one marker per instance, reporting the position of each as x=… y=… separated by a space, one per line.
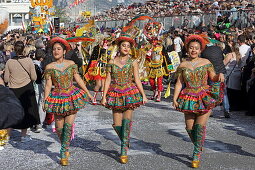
x=130 y=40
x=62 y=41
x=195 y=37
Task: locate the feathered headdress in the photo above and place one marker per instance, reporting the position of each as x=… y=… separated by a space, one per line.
x=133 y=21
x=130 y=31
x=152 y=29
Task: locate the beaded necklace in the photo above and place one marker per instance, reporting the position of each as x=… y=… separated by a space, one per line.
x=60 y=66
x=194 y=63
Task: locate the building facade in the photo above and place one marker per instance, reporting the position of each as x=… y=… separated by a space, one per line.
x=18 y=12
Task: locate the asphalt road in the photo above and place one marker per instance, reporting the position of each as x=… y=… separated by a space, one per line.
x=158 y=142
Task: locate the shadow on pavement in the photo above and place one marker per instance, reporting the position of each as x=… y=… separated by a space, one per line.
x=238 y=131
x=226 y=147
x=216 y=145
x=157 y=105
x=38 y=146
x=88 y=145
x=93 y=146
x=140 y=145
x=240 y=123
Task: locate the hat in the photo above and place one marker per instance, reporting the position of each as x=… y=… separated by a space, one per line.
x=62 y=41
x=125 y=37
x=195 y=37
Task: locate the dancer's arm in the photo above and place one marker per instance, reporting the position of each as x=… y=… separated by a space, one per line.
x=81 y=83
x=48 y=83
x=178 y=86
x=212 y=75
x=107 y=82
x=138 y=81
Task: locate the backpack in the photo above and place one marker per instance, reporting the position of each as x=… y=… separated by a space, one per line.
x=39 y=74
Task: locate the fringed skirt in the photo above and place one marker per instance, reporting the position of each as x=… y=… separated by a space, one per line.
x=123 y=100
x=96 y=71
x=200 y=100
x=65 y=102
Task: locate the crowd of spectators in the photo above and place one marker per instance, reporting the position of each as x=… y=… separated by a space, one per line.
x=164 y=8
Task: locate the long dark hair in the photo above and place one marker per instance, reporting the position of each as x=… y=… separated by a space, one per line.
x=19 y=48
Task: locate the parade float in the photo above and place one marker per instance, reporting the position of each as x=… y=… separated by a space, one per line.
x=4 y=21
x=42 y=13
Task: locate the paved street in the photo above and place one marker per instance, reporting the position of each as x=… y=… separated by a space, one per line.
x=158 y=141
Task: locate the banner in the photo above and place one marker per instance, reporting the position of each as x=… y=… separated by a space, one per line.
x=175 y=60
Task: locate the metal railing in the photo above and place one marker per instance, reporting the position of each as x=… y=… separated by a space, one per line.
x=244 y=18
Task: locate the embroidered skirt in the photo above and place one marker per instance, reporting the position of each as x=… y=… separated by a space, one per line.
x=65 y=102
x=200 y=100
x=123 y=99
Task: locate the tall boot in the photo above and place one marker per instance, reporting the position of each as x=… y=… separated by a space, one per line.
x=65 y=143
x=191 y=134
x=94 y=102
x=125 y=136
x=117 y=130
x=199 y=138
x=59 y=132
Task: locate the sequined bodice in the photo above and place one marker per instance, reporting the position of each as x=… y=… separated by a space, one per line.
x=122 y=75
x=122 y=78
x=195 y=78
x=62 y=79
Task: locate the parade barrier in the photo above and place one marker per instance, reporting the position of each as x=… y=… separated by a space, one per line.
x=240 y=18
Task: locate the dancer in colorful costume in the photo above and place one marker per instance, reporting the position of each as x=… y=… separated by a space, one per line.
x=155 y=59
x=157 y=71
x=97 y=67
x=123 y=91
x=198 y=98
x=65 y=99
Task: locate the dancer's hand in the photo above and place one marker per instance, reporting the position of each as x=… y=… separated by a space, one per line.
x=221 y=77
x=175 y=104
x=43 y=106
x=145 y=100
x=103 y=101
x=90 y=97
